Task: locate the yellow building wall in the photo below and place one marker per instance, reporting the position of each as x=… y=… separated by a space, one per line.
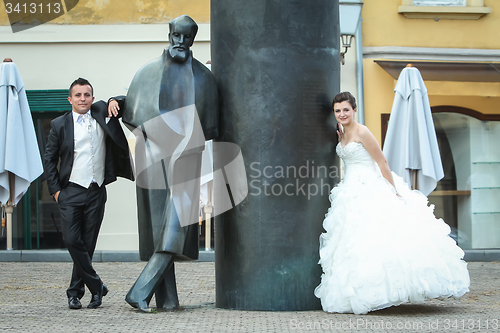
x=383 y=26
x=379 y=95
x=129 y=12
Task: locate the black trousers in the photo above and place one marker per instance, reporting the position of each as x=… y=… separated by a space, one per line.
x=82 y=211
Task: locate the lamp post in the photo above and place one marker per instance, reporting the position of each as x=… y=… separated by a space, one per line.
x=350 y=14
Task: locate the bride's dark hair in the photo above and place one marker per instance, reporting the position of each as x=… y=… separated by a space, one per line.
x=344 y=96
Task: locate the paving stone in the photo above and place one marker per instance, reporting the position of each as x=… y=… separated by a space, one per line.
x=33 y=299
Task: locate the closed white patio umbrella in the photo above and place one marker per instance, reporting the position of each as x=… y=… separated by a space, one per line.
x=411 y=146
x=20 y=161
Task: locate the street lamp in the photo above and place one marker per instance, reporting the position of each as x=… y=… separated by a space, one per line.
x=350 y=14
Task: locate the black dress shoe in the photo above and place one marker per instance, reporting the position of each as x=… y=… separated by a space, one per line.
x=74 y=303
x=96 y=299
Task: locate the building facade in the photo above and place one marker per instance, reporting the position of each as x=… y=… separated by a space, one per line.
x=453 y=44
x=106 y=42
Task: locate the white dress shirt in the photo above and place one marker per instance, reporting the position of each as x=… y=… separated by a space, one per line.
x=90 y=151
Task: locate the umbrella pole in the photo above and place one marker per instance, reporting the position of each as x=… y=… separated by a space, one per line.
x=9 y=209
x=414 y=179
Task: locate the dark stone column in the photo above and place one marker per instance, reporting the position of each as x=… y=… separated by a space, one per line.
x=277 y=66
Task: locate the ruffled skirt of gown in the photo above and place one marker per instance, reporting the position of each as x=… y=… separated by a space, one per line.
x=380 y=250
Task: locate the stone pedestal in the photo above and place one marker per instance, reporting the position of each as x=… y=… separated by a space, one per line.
x=277 y=66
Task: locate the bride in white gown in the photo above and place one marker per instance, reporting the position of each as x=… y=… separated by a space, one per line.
x=383 y=246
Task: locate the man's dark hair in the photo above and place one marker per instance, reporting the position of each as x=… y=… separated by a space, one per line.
x=81 y=82
x=344 y=96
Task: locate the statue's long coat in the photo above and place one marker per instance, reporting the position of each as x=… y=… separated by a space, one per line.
x=159 y=228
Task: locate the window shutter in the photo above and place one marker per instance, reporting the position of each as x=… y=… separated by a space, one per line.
x=48 y=100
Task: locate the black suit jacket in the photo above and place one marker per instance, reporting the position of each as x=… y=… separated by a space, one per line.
x=60 y=144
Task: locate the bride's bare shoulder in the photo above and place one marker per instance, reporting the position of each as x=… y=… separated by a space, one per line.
x=364 y=134
x=362 y=130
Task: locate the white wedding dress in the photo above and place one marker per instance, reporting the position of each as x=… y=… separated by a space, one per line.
x=381 y=250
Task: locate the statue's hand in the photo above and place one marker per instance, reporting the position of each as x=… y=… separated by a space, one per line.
x=113 y=108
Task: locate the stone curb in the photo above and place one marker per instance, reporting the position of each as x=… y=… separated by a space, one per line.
x=99 y=256
x=133 y=256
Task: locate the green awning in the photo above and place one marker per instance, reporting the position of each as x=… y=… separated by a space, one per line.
x=55 y=100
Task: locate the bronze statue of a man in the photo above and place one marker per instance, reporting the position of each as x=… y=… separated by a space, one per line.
x=172 y=106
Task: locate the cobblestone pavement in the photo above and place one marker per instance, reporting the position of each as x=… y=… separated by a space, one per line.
x=33 y=299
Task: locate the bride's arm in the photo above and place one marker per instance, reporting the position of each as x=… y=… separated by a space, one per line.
x=372 y=147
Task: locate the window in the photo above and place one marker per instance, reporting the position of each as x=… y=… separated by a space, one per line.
x=38 y=216
x=439 y=2
x=443 y=9
x=470 y=191
x=467 y=197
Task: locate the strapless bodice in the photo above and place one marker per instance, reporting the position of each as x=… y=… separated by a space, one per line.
x=358 y=162
x=354 y=153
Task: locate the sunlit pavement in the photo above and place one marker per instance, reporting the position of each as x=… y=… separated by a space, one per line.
x=33 y=299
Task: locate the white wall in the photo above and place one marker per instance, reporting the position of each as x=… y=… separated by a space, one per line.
x=348 y=80
x=52 y=56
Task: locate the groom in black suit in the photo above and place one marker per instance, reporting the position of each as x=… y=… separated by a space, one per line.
x=93 y=151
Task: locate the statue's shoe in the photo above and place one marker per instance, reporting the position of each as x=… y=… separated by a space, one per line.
x=166 y=308
x=170 y=303
x=141 y=305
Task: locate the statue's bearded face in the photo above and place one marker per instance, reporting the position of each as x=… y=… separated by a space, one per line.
x=181 y=37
